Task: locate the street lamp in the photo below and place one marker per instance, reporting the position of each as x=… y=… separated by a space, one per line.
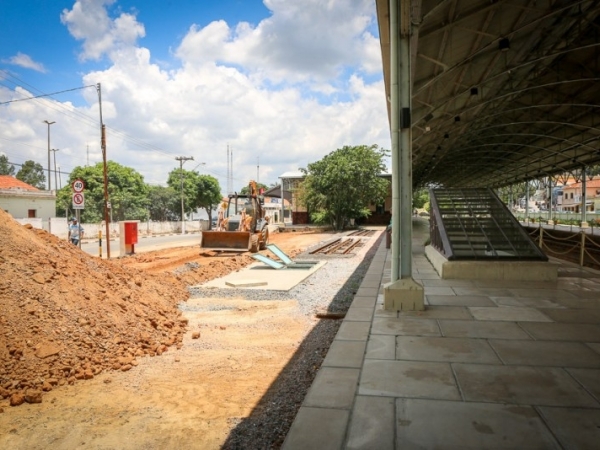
x=49 y=181
x=54 y=150
x=181 y=160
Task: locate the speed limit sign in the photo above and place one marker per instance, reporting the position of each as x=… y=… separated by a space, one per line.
x=78 y=185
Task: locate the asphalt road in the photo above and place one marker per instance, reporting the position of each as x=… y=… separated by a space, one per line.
x=145 y=244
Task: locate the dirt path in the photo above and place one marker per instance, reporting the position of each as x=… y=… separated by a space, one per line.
x=187 y=398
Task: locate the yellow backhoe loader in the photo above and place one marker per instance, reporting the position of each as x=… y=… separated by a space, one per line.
x=242 y=225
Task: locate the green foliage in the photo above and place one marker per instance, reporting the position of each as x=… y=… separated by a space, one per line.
x=127 y=193
x=163 y=202
x=246 y=190
x=199 y=191
x=342 y=185
x=208 y=194
x=5 y=167
x=420 y=198
x=32 y=173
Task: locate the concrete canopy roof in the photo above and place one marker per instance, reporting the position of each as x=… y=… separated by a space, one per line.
x=503 y=90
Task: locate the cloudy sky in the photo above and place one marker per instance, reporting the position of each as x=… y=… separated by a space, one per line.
x=280 y=83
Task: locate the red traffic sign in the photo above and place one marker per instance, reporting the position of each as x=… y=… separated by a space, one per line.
x=78 y=200
x=78 y=185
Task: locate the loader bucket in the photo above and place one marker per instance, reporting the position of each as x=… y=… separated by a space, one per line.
x=226 y=241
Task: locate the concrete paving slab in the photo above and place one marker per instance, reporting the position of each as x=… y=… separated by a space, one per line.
x=543 y=386
x=246 y=283
x=364 y=302
x=405 y=326
x=526 y=302
x=584 y=300
x=595 y=347
x=320 y=428
x=333 y=387
x=367 y=291
x=372 y=424
x=575 y=428
x=408 y=379
x=448 y=283
x=277 y=280
x=353 y=331
x=543 y=353
x=562 y=331
x=459 y=300
x=439 y=291
x=380 y=312
x=345 y=354
x=590 y=379
x=573 y=315
x=357 y=314
x=444 y=349
x=439 y=312
x=513 y=314
x=381 y=347
x=429 y=424
x=483 y=330
x=486 y=292
x=549 y=294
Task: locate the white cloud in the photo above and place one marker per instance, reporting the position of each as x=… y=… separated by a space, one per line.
x=23 y=60
x=89 y=21
x=287 y=91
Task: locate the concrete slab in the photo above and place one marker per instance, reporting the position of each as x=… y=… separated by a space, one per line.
x=584 y=300
x=333 y=387
x=444 y=349
x=485 y=291
x=439 y=312
x=549 y=294
x=483 y=330
x=278 y=280
x=544 y=386
x=526 y=302
x=448 y=283
x=381 y=347
x=513 y=314
x=562 y=331
x=573 y=315
x=436 y=424
x=595 y=347
x=408 y=379
x=320 y=428
x=459 y=300
x=357 y=314
x=405 y=326
x=364 y=302
x=372 y=424
x=574 y=428
x=345 y=354
x=246 y=283
x=439 y=290
x=590 y=379
x=353 y=331
x=539 y=353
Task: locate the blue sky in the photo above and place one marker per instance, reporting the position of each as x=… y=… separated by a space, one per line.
x=286 y=82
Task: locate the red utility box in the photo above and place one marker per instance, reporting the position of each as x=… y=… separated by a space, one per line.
x=128 y=236
x=131 y=233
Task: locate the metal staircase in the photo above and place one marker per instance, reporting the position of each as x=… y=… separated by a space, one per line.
x=474 y=224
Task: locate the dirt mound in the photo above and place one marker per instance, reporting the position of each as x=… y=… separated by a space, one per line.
x=67 y=316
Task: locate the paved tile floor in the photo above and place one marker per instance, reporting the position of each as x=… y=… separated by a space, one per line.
x=487 y=365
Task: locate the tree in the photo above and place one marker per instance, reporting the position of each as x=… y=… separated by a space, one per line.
x=246 y=190
x=343 y=184
x=208 y=194
x=127 y=193
x=164 y=202
x=190 y=183
x=5 y=167
x=32 y=173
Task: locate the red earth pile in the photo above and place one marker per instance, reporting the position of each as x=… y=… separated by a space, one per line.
x=67 y=316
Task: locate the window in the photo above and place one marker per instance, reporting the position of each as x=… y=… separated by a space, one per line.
x=31 y=213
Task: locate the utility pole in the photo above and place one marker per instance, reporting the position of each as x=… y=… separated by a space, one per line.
x=181 y=160
x=49 y=181
x=54 y=150
x=105 y=170
x=257 y=168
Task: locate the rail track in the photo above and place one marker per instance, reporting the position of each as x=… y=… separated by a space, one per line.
x=340 y=246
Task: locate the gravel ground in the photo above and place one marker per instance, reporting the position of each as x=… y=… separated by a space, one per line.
x=331 y=288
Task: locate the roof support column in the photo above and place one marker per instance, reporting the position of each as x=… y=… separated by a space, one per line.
x=584 y=223
x=402 y=293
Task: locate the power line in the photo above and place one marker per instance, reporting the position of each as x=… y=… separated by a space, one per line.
x=45 y=95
